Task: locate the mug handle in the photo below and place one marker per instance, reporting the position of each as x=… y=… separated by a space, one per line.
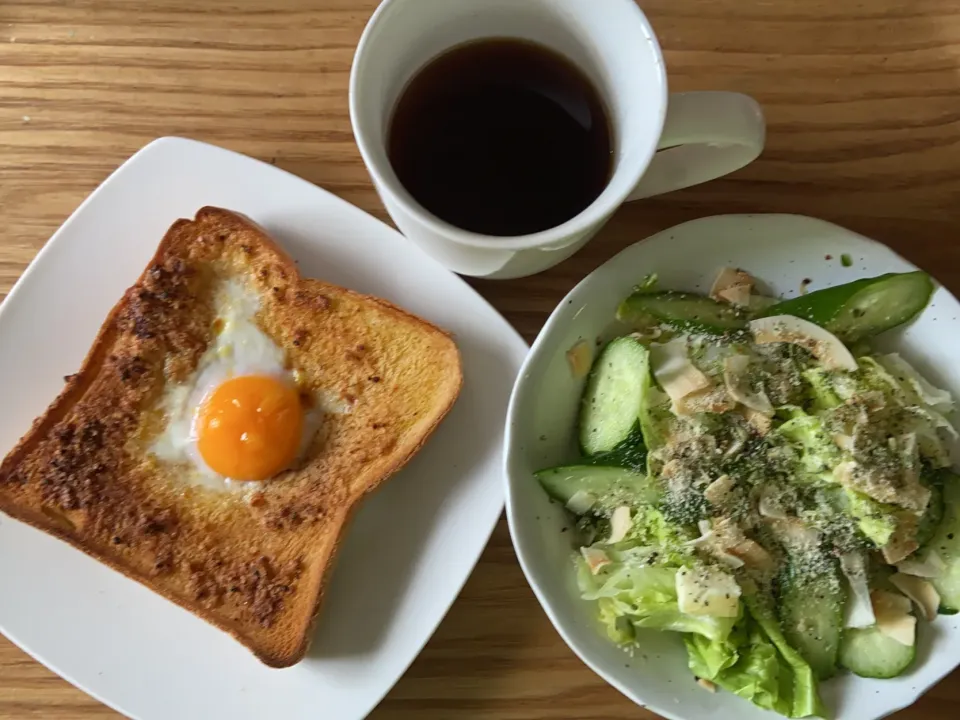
x=706 y=135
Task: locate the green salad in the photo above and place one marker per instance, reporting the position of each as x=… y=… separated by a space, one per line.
x=754 y=477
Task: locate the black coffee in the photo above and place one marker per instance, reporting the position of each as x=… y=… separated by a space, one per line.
x=501 y=137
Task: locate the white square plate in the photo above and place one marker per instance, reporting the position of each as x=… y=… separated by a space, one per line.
x=411 y=546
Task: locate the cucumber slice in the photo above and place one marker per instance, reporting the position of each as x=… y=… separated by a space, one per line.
x=630 y=454
x=946 y=543
x=611 y=486
x=869 y=653
x=862 y=308
x=614 y=396
x=811 y=614
x=932 y=516
x=684 y=311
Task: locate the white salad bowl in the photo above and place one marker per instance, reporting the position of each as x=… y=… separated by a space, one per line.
x=783 y=252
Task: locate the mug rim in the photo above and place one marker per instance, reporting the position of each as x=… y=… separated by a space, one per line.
x=596 y=212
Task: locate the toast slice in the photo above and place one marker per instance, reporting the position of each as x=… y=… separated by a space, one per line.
x=253 y=562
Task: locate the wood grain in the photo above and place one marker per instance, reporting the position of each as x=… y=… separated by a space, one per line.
x=864 y=130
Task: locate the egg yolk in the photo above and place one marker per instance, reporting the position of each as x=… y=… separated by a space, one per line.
x=249 y=427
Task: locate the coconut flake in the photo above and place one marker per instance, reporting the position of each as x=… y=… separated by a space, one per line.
x=769 y=507
x=858 y=612
x=732 y=285
x=738 y=295
x=580 y=357
x=707 y=685
x=920 y=591
x=716 y=491
x=893 y=616
x=734 y=369
x=931 y=566
x=673 y=370
x=822 y=344
x=581 y=502
x=844 y=442
x=595 y=558
x=709 y=400
x=619 y=524
x=761 y=423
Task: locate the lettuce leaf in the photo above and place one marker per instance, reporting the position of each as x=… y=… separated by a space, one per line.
x=807 y=433
x=917 y=389
x=755 y=673
x=631 y=598
x=650 y=528
x=875 y=519
x=822 y=388
x=709 y=658
x=755 y=662
x=923 y=404
x=797 y=681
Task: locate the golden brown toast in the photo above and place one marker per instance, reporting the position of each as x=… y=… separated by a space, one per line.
x=253 y=564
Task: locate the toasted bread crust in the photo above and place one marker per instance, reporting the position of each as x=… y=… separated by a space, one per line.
x=255 y=567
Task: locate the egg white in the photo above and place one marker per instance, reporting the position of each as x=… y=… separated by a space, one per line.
x=240 y=348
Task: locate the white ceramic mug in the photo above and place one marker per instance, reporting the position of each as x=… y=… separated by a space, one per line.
x=700 y=135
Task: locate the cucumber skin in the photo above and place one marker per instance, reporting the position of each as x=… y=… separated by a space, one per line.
x=850 y=653
x=932 y=516
x=826 y=307
x=821 y=307
x=630 y=454
x=561 y=482
x=725 y=318
x=946 y=542
x=821 y=599
x=848 y=326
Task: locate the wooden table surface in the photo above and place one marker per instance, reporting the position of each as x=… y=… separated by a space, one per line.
x=863 y=108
